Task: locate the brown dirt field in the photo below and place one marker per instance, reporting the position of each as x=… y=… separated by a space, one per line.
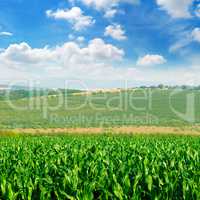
x=143 y=130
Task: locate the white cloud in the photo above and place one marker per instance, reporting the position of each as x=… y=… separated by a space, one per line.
x=150 y=60
x=97 y=62
x=110 y=13
x=68 y=55
x=176 y=8
x=6 y=34
x=108 y=6
x=196 y=34
x=104 y=4
x=197 y=10
x=179 y=45
x=98 y=49
x=75 y=16
x=186 y=39
x=115 y=31
x=183 y=39
x=22 y=55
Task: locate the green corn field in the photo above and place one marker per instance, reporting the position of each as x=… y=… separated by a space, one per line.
x=100 y=167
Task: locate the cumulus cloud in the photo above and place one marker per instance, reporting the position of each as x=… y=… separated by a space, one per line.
x=103 y=4
x=75 y=16
x=115 y=31
x=108 y=6
x=150 y=60
x=176 y=8
x=67 y=55
x=95 y=62
x=4 y=33
x=23 y=54
x=99 y=49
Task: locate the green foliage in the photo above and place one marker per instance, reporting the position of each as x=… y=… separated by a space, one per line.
x=25 y=93
x=99 y=167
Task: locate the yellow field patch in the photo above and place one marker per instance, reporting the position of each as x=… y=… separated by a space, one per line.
x=146 y=130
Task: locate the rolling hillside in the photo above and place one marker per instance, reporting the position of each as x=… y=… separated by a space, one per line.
x=103 y=109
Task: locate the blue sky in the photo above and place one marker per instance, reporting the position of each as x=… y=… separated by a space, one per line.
x=141 y=42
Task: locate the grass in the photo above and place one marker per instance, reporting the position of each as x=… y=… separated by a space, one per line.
x=100 y=167
x=138 y=108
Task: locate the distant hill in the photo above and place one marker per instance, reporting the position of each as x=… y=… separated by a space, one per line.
x=12 y=87
x=159 y=107
x=18 y=92
x=3 y=87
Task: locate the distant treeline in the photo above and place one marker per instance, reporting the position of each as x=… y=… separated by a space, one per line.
x=15 y=94
x=25 y=93
x=161 y=86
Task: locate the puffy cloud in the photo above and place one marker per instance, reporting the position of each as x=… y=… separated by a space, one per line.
x=110 y=13
x=176 y=8
x=23 y=53
x=96 y=62
x=65 y=56
x=5 y=33
x=99 y=50
x=115 y=31
x=75 y=16
x=108 y=6
x=104 y=4
x=149 y=60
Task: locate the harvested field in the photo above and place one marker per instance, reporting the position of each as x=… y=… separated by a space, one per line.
x=144 y=130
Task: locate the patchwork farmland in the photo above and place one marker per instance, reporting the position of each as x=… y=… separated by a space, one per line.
x=134 y=144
